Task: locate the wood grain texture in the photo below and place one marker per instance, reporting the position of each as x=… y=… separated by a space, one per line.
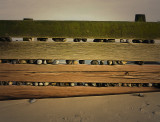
x=25 y=92
x=80 y=51
x=80 y=29
x=80 y=73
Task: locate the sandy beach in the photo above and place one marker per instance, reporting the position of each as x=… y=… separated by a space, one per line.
x=108 y=108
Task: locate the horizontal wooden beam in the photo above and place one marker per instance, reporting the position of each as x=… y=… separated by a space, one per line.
x=25 y=92
x=80 y=51
x=80 y=73
x=80 y=29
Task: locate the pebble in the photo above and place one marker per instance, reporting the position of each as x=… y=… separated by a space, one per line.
x=46 y=83
x=39 y=61
x=109 y=62
x=44 y=62
x=35 y=84
x=32 y=101
x=141 y=95
x=10 y=83
x=75 y=62
x=22 y=61
x=55 y=62
x=72 y=84
x=40 y=84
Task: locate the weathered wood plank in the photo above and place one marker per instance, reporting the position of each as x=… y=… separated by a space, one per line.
x=80 y=29
x=81 y=51
x=25 y=92
x=80 y=73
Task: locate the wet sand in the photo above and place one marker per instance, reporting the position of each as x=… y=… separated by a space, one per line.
x=109 y=108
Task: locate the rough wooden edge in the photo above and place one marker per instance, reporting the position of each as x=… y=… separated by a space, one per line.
x=25 y=92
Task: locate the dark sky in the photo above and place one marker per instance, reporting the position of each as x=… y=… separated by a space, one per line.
x=103 y=10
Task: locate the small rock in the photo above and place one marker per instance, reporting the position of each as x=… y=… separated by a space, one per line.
x=46 y=83
x=109 y=62
x=10 y=83
x=22 y=61
x=36 y=84
x=40 y=84
x=64 y=118
x=74 y=62
x=31 y=61
x=39 y=61
x=72 y=84
x=50 y=61
x=101 y=62
x=28 y=83
x=141 y=95
x=93 y=84
x=44 y=62
x=32 y=100
x=141 y=109
x=150 y=84
x=14 y=61
x=55 y=62
x=138 y=94
x=153 y=112
x=86 y=84
x=94 y=62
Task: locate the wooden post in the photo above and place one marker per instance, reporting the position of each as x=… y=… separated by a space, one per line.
x=140 y=18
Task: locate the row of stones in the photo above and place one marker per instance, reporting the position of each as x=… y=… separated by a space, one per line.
x=79 y=84
x=93 y=62
x=9 y=39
